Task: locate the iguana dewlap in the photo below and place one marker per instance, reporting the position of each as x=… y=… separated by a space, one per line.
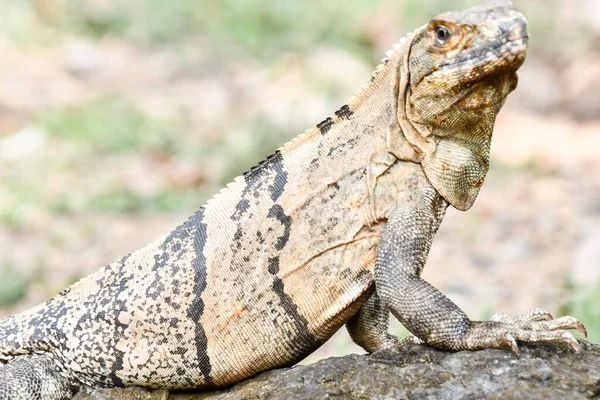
x=334 y=228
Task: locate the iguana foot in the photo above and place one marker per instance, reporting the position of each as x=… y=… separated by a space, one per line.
x=534 y=326
x=409 y=340
x=33 y=377
x=396 y=344
x=538 y=319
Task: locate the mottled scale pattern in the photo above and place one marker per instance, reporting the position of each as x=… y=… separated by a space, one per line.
x=33 y=378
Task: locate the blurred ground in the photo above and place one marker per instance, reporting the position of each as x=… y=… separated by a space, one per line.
x=120 y=118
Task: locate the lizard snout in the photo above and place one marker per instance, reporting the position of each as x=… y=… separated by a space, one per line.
x=515 y=28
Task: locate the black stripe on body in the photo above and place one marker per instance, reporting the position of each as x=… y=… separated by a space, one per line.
x=269 y=176
x=325 y=125
x=197 y=229
x=344 y=112
x=273 y=162
x=306 y=340
x=193 y=232
x=277 y=212
x=256 y=177
x=278 y=186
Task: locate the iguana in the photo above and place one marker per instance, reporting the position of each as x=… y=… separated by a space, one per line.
x=333 y=228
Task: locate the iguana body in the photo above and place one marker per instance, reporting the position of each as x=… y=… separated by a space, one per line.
x=333 y=228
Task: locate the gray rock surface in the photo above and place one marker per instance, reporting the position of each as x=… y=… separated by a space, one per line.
x=416 y=372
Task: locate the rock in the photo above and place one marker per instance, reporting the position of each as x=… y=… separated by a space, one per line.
x=124 y=394
x=416 y=372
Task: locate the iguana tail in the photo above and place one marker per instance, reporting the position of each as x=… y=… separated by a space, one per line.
x=27 y=372
x=34 y=377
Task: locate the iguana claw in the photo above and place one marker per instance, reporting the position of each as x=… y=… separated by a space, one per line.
x=581 y=328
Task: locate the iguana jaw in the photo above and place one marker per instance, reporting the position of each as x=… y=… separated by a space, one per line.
x=454 y=88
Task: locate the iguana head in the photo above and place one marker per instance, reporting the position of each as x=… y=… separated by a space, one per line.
x=457 y=72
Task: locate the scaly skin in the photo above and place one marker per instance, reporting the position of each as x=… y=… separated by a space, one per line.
x=334 y=227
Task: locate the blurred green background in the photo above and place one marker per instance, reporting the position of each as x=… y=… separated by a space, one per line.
x=118 y=118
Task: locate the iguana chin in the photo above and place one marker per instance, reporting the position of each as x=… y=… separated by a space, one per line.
x=334 y=228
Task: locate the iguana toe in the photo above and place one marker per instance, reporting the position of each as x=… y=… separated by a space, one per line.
x=502 y=331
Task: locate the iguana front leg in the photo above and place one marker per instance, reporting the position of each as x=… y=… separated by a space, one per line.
x=428 y=313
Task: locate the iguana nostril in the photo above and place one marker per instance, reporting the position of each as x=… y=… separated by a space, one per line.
x=516 y=28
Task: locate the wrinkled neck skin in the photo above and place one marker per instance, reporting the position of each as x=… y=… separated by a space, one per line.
x=375 y=109
x=451 y=133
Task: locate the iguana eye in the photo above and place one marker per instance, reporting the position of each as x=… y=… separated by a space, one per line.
x=442 y=34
